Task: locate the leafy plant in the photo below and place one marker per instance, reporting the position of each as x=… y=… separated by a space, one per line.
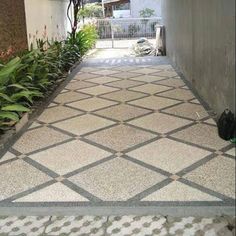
x=133 y=29
x=90 y=10
x=147 y=13
x=25 y=79
x=86 y=38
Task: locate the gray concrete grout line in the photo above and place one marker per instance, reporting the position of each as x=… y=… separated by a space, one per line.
x=207 y=190
x=192 y=144
x=99 y=130
x=144 y=95
x=152 y=189
x=93 y=111
x=145 y=165
x=98 y=145
x=90 y=166
x=27 y=192
x=197 y=164
x=64 y=119
x=81 y=191
x=40 y=167
x=181 y=173
x=8 y=161
x=50 y=146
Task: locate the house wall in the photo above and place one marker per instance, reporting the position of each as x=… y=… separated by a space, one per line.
x=46 y=19
x=137 y=6
x=12 y=25
x=201 y=43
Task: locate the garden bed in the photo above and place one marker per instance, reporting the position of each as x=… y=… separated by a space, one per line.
x=27 y=83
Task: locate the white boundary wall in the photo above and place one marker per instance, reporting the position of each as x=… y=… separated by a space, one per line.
x=46 y=19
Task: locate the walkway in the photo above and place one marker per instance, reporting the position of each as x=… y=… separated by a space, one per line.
x=124 y=136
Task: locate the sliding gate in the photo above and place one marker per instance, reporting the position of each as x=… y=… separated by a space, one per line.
x=124 y=32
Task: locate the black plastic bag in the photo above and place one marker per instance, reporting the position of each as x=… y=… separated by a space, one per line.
x=227 y=125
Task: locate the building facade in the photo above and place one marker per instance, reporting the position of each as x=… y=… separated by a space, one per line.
x=131 y=8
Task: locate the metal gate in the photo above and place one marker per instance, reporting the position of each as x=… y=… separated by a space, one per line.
x=123 y=32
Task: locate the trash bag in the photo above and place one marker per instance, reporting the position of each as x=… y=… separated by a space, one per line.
x=143 y=48
x=227 y=125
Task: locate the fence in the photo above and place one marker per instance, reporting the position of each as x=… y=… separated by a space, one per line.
x=127 y=28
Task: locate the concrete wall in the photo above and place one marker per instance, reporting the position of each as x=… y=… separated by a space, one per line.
x=138 y=5
x=46 y=19
x=201 y=43
x=12 y=26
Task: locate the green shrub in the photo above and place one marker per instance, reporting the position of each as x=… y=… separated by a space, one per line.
x=86 y=38
x=90 y=10
x=25 y=79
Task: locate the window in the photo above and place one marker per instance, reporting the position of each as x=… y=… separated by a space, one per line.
x=123 y=6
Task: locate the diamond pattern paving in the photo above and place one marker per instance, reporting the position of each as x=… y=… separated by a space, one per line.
x=70 y=156
x=166 y=74
x=148 y=78
x=220 y=178
x=70 y=97
x=123 y=96
x=155 y=103
x=105 y=72
x=180 y=94
x=58 y=113
x=127 y=136
x=8 y=156
x=177 y=191
x=126 y=75
x=98 y=90
x=83 y=124
x=122 y=112
x=103 y=80
x=84 y=76
x=92 y=104
x=79 y=85
x=150 y=88
x=173 y=82
x=39 y=138
x=115 y=187
x=188 y=110
x=146 y=70
x=124 y=84
x=14 y=178
x=53 y=193
x=157 y=153
x=120 y=137
x=203 y=135
x=160 y=123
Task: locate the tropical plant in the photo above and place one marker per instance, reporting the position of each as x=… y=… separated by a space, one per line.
x=25 y=79
x=147 y=13
x=133 y=29
x=86 y=38
x=90 y=10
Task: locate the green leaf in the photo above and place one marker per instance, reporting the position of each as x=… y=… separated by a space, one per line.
x=19 y=86
x=8 y=69
x=5 y=97
x=15 y=107
x=9 y=115
x=22 y=95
